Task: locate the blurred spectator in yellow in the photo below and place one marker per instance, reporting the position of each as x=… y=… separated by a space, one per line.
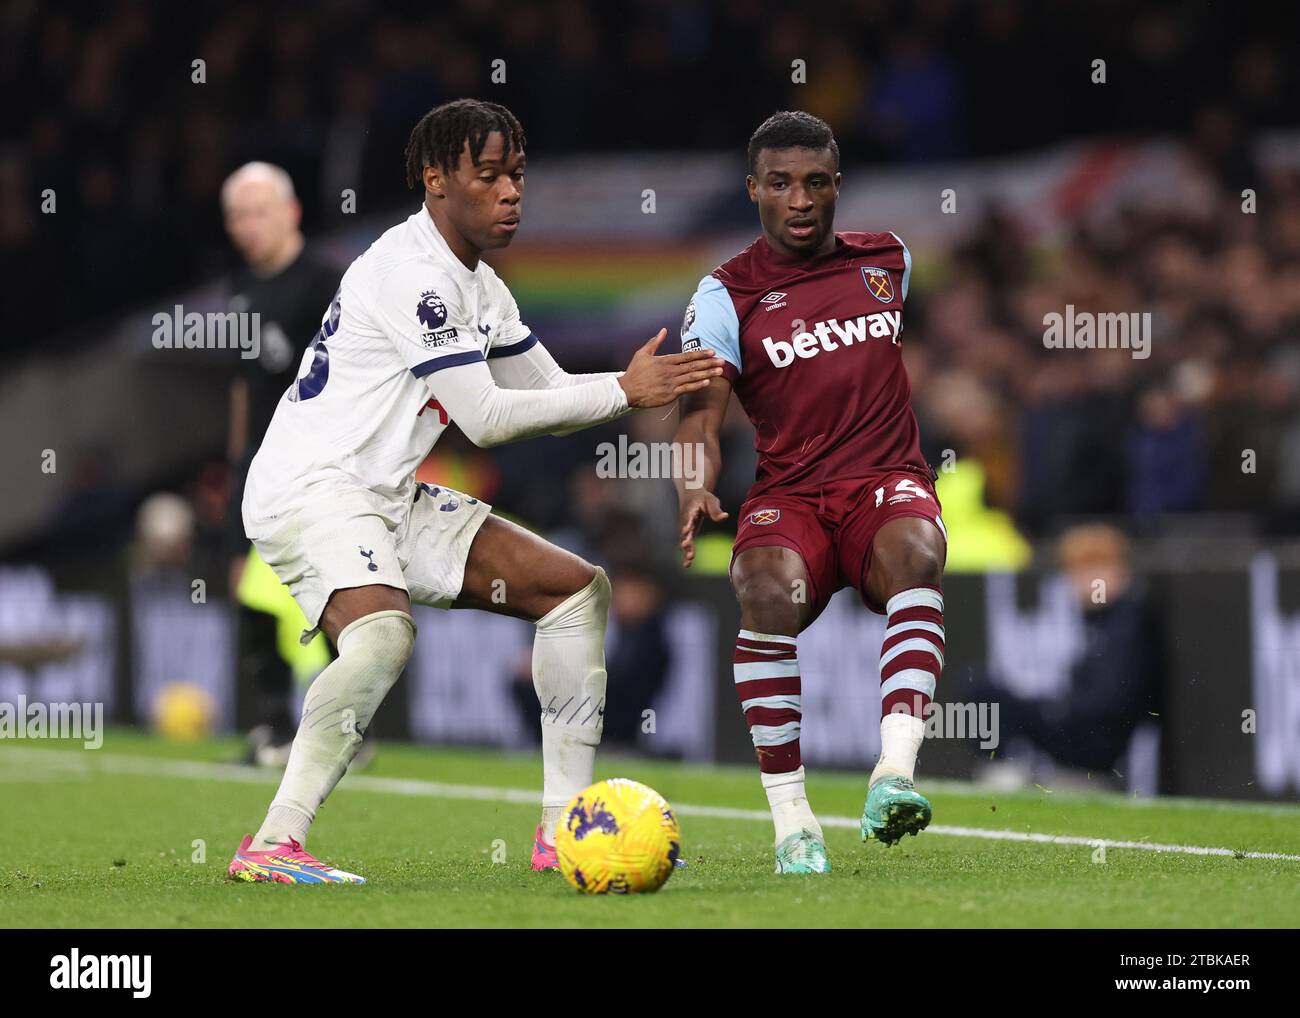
x=980 y=539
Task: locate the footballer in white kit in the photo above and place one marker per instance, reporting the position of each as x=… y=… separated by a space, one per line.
x=420 y=333
x=332 y=499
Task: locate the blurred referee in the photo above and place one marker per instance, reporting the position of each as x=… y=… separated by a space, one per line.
x=291 y=289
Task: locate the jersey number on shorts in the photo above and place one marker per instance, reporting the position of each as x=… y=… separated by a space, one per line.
x=318 y=374
x=902 y=486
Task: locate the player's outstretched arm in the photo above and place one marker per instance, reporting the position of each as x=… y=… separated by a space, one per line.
x=535 y=368
x=490 y=415
x=702 y=415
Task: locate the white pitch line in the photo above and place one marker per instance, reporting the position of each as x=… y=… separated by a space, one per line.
x=116 y=763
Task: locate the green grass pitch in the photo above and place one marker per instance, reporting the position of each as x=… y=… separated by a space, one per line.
x=107 y=838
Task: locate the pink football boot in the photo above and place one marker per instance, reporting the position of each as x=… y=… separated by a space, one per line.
x=288 y=863
x=543 y=854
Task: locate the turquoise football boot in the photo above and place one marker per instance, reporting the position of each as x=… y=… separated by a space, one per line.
x=894 y=808
x=803 y=852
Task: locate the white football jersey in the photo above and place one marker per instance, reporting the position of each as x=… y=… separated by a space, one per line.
x=360 y=414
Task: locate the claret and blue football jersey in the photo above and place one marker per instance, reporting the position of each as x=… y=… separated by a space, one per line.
x=813 y=351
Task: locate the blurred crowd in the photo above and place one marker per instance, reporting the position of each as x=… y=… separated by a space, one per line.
x=1208 y=422
x=134 y=148
x=136 y=152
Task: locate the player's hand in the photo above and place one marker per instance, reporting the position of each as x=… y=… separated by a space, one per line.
x=695 y=506
x=655 y=381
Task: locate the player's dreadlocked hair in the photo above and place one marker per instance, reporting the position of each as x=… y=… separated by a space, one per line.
x=439 y=137
x=792 y=129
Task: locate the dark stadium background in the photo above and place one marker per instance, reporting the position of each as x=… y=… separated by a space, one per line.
x=1172 y=188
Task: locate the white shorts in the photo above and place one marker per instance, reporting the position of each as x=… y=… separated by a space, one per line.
x=350 y=538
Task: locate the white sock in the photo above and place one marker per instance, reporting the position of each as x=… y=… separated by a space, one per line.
x=569 y=676
x=338 y=709
x=901 y=736
x=790 y=810
x=281 y=824
x=550 y=820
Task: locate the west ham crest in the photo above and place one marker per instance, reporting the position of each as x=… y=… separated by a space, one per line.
x=879 y=285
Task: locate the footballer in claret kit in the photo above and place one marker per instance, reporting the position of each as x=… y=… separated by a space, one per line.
x=809 y=322
x=422 y=332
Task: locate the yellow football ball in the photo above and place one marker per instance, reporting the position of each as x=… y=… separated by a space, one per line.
x=184 y=712
x=617 y=837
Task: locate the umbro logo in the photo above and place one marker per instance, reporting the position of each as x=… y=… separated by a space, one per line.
x=774 y=300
